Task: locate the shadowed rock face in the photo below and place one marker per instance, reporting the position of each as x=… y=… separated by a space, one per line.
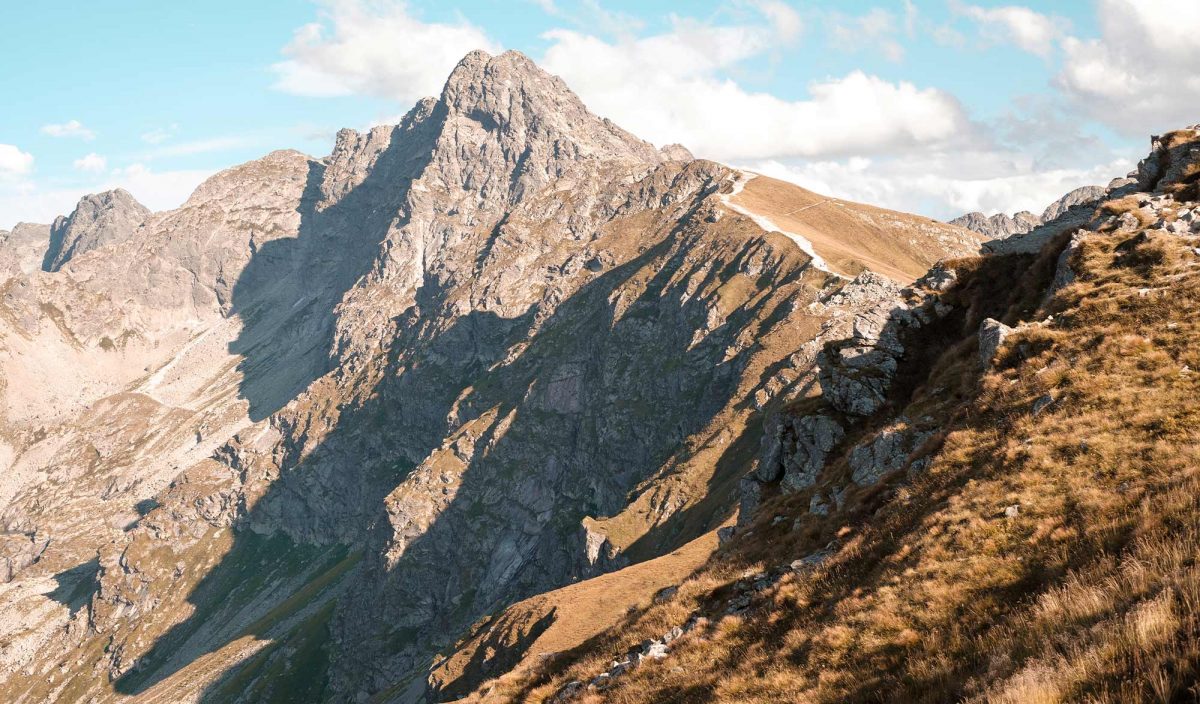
x=347 y=406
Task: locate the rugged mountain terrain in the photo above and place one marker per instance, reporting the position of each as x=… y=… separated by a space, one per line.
x=1001 y=225
x=293 y=440
x=22 y=250
x=991 y=499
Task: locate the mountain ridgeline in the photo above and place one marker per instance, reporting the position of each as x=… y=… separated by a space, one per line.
x=461 y=407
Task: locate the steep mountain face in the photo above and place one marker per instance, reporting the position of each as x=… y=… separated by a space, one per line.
x=992 y=498
x=1000 y=225
x=98 y=220
x=291 y=440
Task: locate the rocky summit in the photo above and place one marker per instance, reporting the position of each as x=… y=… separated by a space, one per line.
x=504 y=403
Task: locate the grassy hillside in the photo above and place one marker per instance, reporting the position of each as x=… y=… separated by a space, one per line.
x=1048 y=552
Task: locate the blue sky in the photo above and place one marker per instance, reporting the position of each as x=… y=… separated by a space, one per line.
x=935 y=107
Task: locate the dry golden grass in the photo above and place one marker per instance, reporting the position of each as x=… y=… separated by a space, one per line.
x=1128 y=204
x=853 y=236
x=1090 y=593
x=564 y=618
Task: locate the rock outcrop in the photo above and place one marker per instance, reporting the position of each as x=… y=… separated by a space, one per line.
x=1000 y=225
x=98 y=220
x=1082 y=196
x=992 y=334
x=22 y=250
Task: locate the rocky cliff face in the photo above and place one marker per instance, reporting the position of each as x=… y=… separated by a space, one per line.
x=289 y=441
x=98 y=220
x=1001 y=225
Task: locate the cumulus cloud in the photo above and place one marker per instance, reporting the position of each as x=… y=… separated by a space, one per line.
x=377 y=49
x=686 y=99
x=93 y=163
x=1140 y=74
x=13 y=161
x=1031 y=31
x=71 y=128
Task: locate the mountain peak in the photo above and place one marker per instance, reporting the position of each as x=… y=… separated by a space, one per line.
x=510 y=94
x=98 y=219
x=479 y=69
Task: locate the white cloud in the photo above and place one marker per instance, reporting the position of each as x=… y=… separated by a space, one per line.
x=13 y=161
x=591 y=15
x=159 y=135
x=686 y=99
x=158 y=190
x=1029 y=30
x=1140 y=75
x=72 y=128
x=378 y=49
x=93 y=163
x=876 y=30
x=382 y=49
x=199 y=146
x=945 y=185
x=910 y=17
x=893 y=142
x=783 y=18
x=947 y=36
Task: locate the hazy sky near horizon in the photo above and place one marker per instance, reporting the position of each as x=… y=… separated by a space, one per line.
x=931 y=106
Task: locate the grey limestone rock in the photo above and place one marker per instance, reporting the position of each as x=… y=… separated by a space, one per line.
x=992 y=334
x=885 y=452
x=1000 y=225
x=22 y=249
x=856 y=373
x=1082 y=196
x=98 y=220
x=749 y=497
x=812 y=439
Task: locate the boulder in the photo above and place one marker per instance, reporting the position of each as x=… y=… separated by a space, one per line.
x=724 y=535
x=939 y=278
x=770 y=456
x=813 y=437
x=810 y=562
x=992 y=334
x=749 y=497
